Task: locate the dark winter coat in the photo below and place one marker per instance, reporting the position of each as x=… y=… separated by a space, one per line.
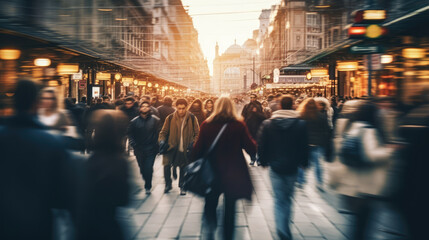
x=253 y=122
x=131 y=112
x=104 y=188
x=143 y=133
x=282 y=142
x=318 y=130
x=248 y=108
x=33 y=179
x=227 y=157
x=164 y=111
x=199 y=114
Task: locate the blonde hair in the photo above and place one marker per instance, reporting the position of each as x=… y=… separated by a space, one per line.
x=224 y=110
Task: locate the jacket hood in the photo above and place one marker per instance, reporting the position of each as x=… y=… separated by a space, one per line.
x=284 y=119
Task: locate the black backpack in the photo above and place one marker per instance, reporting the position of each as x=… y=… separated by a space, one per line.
x=351 y=152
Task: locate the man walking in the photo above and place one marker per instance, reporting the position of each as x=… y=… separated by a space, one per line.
x=165 y=109
x=283 y=145
x=248 y=107
x=180 y=131
x=143 y=135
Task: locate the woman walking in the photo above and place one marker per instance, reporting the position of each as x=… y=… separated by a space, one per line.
x=50 y=115
x=228 y=162
x=318 y=135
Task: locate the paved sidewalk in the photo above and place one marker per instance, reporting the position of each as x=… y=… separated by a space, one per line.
x=170 y=216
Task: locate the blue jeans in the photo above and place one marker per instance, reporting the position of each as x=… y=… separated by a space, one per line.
x=316 y=153
x=283 y=189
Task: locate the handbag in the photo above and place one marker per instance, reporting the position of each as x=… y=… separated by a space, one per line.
x=199 y=176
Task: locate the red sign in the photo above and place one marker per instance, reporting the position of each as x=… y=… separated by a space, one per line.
x=82 y=84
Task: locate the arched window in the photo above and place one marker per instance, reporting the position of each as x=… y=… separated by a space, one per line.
x=232 y=72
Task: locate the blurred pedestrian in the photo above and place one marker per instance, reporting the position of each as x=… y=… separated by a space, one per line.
x=105 y=185
x=165 y=109
x=283 y=145
x=233 y=178
x=365 y=182
x=208 y=107
x=275 y=104
x=130 y=108
x=33 y=170
x=143 y=134
x=266 y=109
x=254 y=119
x=50 y=115
x=196 y=108
x=179 y=132
x=325 y=108
x=106 y=103
x=413 y=201
x=318 y=133
x=248 y=107
x=155 y=102
x=146 y=98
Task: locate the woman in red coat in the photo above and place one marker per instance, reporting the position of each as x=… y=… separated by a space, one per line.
x=228 y=162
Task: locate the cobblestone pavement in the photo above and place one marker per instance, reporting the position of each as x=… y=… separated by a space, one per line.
x=170 y=216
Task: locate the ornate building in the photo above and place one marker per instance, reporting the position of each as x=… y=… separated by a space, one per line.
x=236 y=69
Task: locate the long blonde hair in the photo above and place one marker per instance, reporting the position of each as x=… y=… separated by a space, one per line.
x=224 y=110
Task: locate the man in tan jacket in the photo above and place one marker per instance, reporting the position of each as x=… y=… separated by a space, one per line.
x=179 y=133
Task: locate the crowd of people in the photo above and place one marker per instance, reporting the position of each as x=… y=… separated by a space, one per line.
x=373 y=150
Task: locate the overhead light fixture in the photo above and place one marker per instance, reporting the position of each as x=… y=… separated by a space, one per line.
x=413 y=52
x=42 y=62
x=121 y=19
x=68 y=68
x=149 y=85
x=102 y=76
x=347 y=66
x=105 y=9
x=9 y=54
x=118 y=76
x=386 y=59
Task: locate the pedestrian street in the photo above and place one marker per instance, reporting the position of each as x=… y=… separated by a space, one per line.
x=170 y=216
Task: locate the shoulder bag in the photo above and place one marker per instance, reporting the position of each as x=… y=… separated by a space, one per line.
x=199 y=175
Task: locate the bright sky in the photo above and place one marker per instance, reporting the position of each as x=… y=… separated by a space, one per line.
x=223 y=21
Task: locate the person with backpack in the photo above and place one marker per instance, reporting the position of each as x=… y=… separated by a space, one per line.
x=283 y=145
x=360 y=173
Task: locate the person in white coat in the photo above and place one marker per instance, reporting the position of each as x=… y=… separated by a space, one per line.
x=359 y=186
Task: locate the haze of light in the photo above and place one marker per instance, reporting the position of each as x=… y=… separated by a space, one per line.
x=224 y=21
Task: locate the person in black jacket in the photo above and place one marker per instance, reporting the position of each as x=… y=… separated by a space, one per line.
x=166 y=109
x=104 y=184
x=34 y=166
x=283 y=145
x=130 y=108
x=143 y=135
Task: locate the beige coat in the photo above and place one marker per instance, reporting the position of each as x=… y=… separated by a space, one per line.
x=172 y=131
x=355 y=182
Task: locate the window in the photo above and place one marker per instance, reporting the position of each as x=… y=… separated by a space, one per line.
x=313 y=23
x=232 y=72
